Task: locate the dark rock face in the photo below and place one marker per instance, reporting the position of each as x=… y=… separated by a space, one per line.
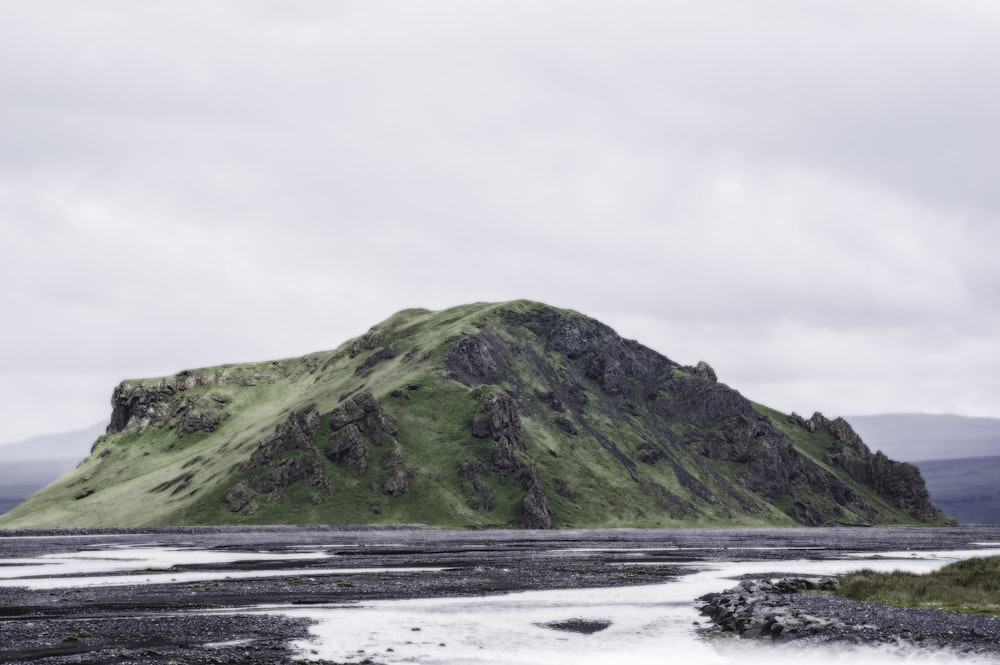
x=385 y=353
x=898 y=482
x=287 y=457
x=359 y=427
x=536 y=505
x=472 y=362
x=498 y=419
x=602 y=373
x=400 y=473
x=135 y=406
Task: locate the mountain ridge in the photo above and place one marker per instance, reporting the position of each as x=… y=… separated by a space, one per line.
x=490 y=414
x=916 y=437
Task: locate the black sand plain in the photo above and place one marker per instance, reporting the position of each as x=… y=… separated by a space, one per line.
x=211 y=622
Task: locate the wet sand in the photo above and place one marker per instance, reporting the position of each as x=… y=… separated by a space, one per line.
x=210 y=621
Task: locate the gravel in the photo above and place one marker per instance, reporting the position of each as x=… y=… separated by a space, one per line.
x=214 y=622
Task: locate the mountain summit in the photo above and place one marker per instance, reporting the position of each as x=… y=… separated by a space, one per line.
x=513 y=414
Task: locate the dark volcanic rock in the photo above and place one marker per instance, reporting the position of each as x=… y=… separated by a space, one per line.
x=400 y=474
x=472 y=361
x=358 y=425
x=289 y=456
x=898 y=482
x=498 y=420
x=584 y=626
x=536 y=505
x=386 y=353
x=775 y=609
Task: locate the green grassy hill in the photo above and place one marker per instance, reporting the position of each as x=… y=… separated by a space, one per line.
x=509 y=414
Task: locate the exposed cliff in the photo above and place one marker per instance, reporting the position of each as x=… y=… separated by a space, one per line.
x=513 y=414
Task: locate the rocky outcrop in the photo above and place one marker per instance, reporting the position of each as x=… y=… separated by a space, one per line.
x=400 y=474
x=899 y=483
x=136 y=405
x=385 y=353
x=473 y=360
x=755 y=608
x=705 y=371
x=360 y=428
x=497 y=418
x=287 y=457
x=598 y=372
x=535 y=508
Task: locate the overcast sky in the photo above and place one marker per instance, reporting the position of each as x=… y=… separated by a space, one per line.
x=803 y=194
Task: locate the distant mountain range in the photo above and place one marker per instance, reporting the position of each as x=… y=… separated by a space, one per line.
x=492 y=414
x=914 y=437
x=959 y=458
x=29 y=465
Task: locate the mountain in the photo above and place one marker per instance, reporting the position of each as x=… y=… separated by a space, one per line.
x=510 y=414
x=922 y=436
x=966 y=489
x=958 y=456
x=28 y=466
x=65 y=445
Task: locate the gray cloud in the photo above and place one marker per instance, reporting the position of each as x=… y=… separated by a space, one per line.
x=802 y=195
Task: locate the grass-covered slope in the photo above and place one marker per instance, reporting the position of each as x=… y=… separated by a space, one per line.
x=511 y=414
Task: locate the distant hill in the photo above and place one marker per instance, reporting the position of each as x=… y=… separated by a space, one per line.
x=75 y=444
x=959 y=458
x=507 y=415
x=29 y=465
x=967 y=489
x=19 y=480
x=918 y=436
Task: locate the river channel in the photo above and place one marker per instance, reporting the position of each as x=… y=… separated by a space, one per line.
x=427 y=596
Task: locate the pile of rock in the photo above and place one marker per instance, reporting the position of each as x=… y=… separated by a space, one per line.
x=756 y=608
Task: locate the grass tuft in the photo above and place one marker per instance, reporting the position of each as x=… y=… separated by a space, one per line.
x=971 y=586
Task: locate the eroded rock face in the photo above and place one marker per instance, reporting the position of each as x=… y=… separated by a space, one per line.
x=359 y=426
x=499 y=420
x=898 y=482
x=400 y=473
x=536 y=505
x=288 y=456
x=136 y=406
x=705 y=371
x=616 y=379
x=359 y=429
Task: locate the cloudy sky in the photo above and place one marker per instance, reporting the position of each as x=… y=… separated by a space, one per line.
x=803 y=194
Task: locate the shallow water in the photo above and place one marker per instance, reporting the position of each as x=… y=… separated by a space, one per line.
x=654 y=623
x=648 y=624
